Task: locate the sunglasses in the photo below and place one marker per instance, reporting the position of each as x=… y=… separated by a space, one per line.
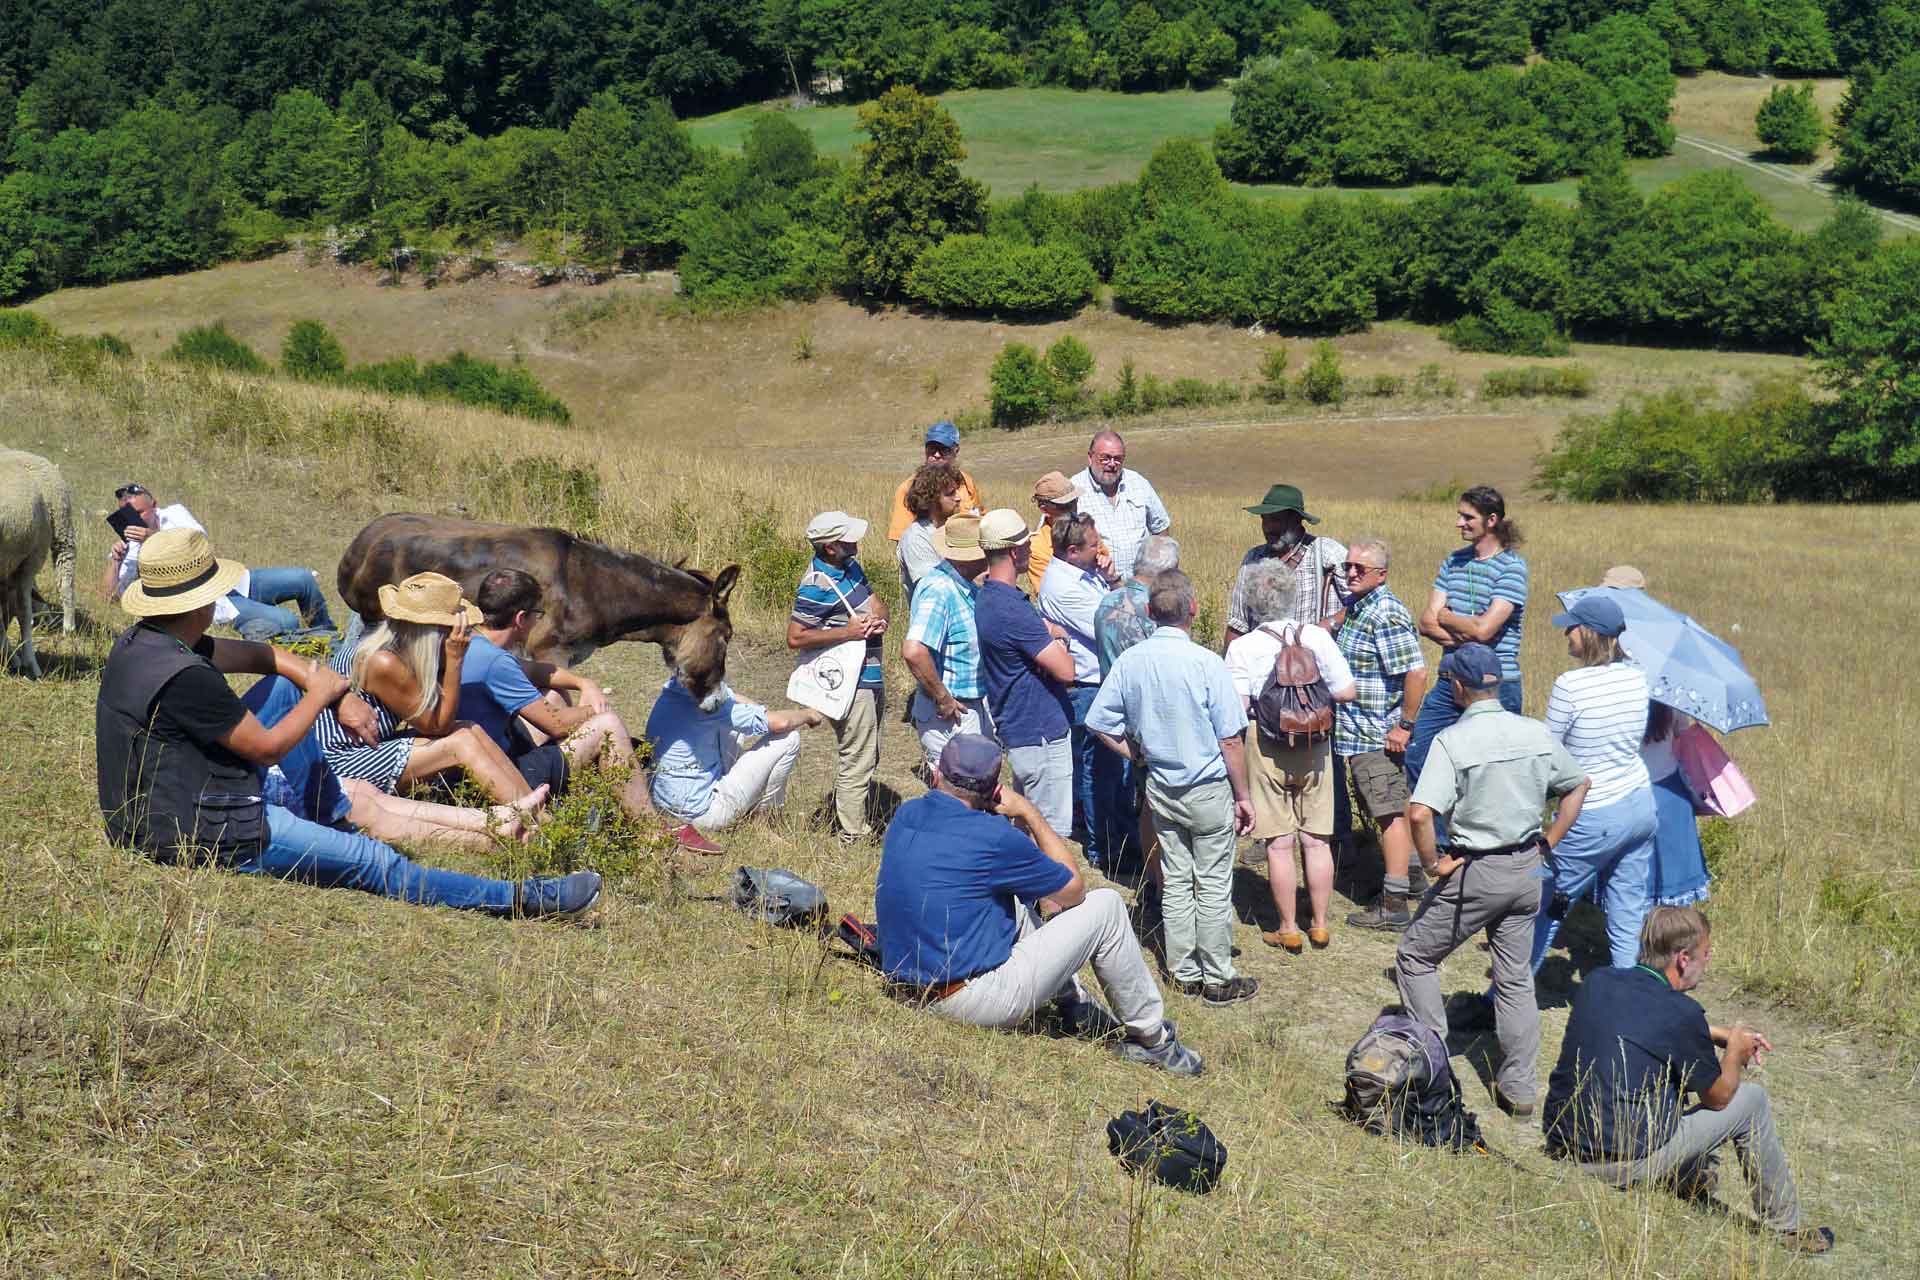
x=126 y=491
x=1353 y=568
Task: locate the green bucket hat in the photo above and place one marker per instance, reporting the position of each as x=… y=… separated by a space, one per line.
x=1284 y=497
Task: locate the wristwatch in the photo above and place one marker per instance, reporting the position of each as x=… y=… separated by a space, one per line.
x=1406 y=724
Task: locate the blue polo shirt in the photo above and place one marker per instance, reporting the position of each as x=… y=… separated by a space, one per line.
x=949 y=876
x=1028 y=707
x=493 y=690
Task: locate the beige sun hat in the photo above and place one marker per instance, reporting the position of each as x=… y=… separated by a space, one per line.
x=1002 y=529
x=178 y=574
x=1624 y=575
x=1056 y=488
x=959 y=539
x=430 y=598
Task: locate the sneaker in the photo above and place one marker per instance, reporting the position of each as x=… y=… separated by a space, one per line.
x=557 y=896
x=1232 y=991
x=688 y=837
x=1518 y=1110
x=1169 y=1056
x=1086 y=1020
x=1389 y=911
x=1197 y=987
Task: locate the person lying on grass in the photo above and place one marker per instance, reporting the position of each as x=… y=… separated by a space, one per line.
x=965 y=873
x=1636 y=1043
x=181 y=758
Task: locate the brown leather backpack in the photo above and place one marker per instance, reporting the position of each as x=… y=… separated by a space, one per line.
x=1294 y=707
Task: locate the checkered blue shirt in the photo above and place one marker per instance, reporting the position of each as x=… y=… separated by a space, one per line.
x=1124 y=520
x=942 y=620
x=1381 y=646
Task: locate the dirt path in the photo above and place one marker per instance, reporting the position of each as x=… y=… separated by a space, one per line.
x=1786 y=173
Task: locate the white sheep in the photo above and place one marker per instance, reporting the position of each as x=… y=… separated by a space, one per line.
x=36 y=518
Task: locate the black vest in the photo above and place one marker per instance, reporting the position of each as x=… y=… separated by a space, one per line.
x=171 y=799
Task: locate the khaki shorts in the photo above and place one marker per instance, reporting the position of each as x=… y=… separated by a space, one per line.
x=1292 y=787
x=1380 y=783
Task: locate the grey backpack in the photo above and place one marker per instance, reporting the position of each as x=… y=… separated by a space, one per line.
x=777 y=896
x=1399 y=1081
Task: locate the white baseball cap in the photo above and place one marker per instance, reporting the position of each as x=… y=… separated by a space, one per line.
x=836 y=526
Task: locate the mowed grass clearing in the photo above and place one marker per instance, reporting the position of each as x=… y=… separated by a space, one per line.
x=210 y=1075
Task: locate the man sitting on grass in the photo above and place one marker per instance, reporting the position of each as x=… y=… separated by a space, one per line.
x=961 y=873
x=1636 y=1043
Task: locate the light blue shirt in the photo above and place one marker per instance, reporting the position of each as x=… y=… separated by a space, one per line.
x=1176 y=700
x=689 y=746
x=1071 y=597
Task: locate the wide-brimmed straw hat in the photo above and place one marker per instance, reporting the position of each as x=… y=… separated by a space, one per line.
x=178 y=574
x=430 y=598
x=959 y=539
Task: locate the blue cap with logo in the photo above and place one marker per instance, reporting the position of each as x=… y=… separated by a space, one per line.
x=1473 y=665
x=971 y=762
x=944 y=434
x=1596 y=613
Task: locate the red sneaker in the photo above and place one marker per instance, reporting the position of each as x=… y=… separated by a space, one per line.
x=688 y=837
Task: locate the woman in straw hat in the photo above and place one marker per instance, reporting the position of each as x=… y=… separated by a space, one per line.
x=408 y=670
x=181 y=758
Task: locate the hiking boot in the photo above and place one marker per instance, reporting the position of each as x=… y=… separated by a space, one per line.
x=556 y=896
x=1417 y=883
x=1389 y=911
x=688 y=837
x=1807 y=1240
x=1518 y=1110
x=1232 y=991
x=1169 y=1055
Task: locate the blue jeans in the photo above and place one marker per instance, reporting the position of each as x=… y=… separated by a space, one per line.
x=1105 y=821
x=262 y=618
x=1439 y=711
x=306 y=851
x=1608 y=850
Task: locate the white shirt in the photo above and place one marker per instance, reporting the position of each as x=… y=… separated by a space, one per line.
x=917 y=554
x=1250 y=659
x=1125 y=519
x=1071 y=596
x=1600 y=715
x=177 y=516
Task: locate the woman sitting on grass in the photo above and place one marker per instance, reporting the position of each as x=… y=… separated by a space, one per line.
x=704 y=770
x=408 y=670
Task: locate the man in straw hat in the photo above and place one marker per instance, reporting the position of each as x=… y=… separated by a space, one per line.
x=1055 y=495
x=834 y=604
x=1027 y=671
x=942 y=644
x=180 y=757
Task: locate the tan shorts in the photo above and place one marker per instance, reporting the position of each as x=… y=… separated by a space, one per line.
x=1292 y=787
x=1380 y=783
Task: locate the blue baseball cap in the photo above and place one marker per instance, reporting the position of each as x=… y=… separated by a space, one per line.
x=1596 y=613
x=971 y=762
x=1473 y=665
x=944 y=434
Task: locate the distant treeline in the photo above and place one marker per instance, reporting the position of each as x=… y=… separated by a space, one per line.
x=490 y=65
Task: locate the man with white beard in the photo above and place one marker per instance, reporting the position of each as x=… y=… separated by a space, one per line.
x=1317 y=563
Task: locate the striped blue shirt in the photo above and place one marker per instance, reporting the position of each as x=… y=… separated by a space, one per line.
x=1473 y=585
x=1600 y=715
x=942 y=620
x=818 y=606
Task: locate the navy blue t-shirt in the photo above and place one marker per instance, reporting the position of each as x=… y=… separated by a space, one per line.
x=949 y=876
x=1634 y=1047
x=1028 y=707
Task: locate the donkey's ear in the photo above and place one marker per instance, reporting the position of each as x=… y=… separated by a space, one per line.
x=723 y=587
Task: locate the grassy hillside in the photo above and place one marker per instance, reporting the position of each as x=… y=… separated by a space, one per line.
x=1060 y=139
x=211 y=1076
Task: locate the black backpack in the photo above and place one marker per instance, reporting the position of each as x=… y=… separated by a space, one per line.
x=1294 y=707
x=1399 y=1081
x=1174 y=1146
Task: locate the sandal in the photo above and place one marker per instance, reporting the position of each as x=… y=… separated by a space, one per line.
x=1286 y=939
x=1319 y=938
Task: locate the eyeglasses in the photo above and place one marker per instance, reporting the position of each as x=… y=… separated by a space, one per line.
x=1112 y=458
x=126 y=491
x=1353 y=568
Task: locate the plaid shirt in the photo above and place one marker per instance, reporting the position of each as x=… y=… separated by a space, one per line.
x=1381 y=646
x=1124 y=520
x=1313 y=598
x=942 y=620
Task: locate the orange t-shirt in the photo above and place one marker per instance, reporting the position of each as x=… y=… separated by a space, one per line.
x=970 y=505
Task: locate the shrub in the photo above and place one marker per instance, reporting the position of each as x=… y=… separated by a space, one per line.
x=1680 y=446
x=253 y=233
x=1021 y=389
x=312 y=352
x=1386 y=384
x=462 y=378
x=1789 y=124
x=1124 y=399
x=23 y=328
x=1071 y=364
x=1572 y=382
x=979 y=273
x=1322 y=382
x=1430 y=383
x=1506 y=329
x=211 y=346
x=1273 y=374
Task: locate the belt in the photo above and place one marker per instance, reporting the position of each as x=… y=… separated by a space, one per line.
x=930 y=993
x=1531 y=842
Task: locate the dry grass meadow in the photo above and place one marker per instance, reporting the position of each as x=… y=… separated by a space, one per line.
x=208 y=1076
